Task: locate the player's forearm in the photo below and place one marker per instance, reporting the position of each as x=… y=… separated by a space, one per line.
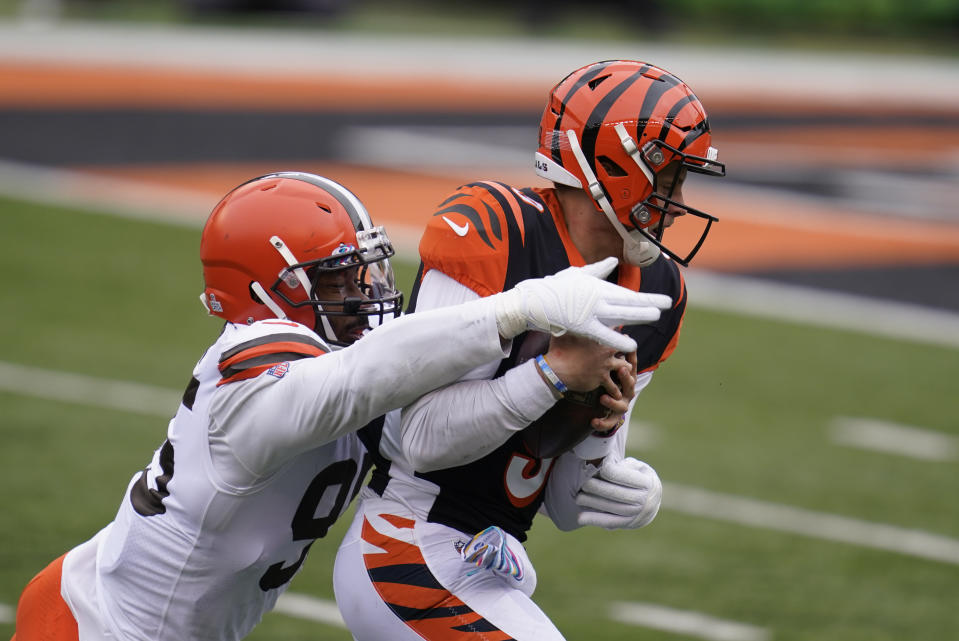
x=463 y=422
x=400 y=361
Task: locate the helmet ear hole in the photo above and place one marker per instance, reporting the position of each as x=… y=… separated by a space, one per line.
x=253 y=295
x=612 y=169
x=595 y=82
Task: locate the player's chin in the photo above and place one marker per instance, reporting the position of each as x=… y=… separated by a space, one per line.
x=354 y=333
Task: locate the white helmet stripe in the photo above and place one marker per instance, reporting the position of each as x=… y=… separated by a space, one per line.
x=636 y=251
x=301 y=276
x=355 y=209
x=290 y=259
x=633 y=150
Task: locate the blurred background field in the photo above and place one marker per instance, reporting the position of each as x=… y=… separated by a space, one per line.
x=922 y=25
x=122 y=123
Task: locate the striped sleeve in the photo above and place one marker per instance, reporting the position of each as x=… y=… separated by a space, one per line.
x=251 y=358
x=468 y=236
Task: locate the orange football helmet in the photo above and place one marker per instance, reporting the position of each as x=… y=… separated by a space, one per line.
x=267 y=240
x=612 y=128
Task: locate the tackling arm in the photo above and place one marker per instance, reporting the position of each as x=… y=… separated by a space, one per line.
x=324 y=398
x=461 y=423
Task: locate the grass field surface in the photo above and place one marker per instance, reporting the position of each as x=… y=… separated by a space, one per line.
x=746 y=409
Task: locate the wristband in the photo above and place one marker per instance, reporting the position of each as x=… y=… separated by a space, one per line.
x=551 y=376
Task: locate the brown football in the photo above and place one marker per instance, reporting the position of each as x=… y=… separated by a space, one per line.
x=567 y=423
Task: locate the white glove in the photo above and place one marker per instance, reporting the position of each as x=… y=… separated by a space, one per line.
x=489 y=550
x=579 y=301
x=624 y=494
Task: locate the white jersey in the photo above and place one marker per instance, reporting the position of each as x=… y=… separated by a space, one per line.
x=260 y=459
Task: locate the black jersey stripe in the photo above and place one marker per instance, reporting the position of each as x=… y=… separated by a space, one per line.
x=406 y=613
x=189 y=395
x=411 y=305
x=584 y=81
x=147 y=501
x=480 y=625
x=505 y=205
x=598 y=115
x=501 y=200
x=417 y=574
x=264 y=359
x=472 y=215
x=285 y=337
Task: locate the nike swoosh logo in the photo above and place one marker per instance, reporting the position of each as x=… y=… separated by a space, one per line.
x=460 y=230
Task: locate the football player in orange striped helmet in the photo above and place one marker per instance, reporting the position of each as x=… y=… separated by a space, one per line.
x=627 y=132
x=461 y=473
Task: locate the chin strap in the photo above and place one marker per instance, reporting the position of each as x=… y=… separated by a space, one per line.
x=636 y=250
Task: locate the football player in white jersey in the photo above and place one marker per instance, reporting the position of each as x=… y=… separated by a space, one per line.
x=261 y=456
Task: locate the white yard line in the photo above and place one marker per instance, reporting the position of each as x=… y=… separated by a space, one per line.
x=157 y=401
x=642 y=436
x=818 y=308
x=792 y=520
x=694 y=624
x=893 y=438
x=87 y=390
x=7 y=613
x=303 y=606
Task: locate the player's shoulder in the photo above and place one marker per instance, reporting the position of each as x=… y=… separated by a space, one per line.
x=468 y=235
x=246 y=351
x=266 y=332
x=480 y=213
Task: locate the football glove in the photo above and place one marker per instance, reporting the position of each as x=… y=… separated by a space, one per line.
x=579 y=301
x=490 y=550
x=624 y=494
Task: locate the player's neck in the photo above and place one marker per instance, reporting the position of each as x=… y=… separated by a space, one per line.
x=591 y=233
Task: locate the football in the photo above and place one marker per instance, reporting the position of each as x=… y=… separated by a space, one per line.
x=567 y=423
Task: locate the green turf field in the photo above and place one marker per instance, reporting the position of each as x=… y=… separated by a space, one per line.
x=743 y=408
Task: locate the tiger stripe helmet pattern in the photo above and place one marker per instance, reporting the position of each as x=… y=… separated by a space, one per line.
x=611 y=128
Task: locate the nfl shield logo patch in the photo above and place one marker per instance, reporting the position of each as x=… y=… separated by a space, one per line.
x=279 y=370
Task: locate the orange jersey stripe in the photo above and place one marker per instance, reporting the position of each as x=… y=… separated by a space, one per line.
x=279 y=347
x=400 y=576
x=245 y=374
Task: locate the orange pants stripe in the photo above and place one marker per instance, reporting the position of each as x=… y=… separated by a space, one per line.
x=42 y=614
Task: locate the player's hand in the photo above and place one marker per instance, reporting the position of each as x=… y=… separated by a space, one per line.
x=624 y=494
x=617 y=398
x=579 y=301
x=583 y=364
